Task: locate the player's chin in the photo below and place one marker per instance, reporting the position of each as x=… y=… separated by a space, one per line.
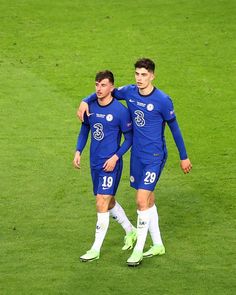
x=99 y=95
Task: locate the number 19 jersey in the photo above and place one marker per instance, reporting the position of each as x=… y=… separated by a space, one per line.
x=107 y=123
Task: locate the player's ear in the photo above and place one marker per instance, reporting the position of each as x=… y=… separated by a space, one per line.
x=152 y=76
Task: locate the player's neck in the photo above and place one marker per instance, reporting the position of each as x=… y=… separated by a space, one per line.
x=147 y=90
x=105 y=100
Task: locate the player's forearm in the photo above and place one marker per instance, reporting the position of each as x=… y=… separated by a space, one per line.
x=126 y=144
x=178 y=138
x=90 y=98
x=118 y=93
x=82 y=138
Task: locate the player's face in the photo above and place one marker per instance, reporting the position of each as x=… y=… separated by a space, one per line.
x=143 y=78
x=103 y=88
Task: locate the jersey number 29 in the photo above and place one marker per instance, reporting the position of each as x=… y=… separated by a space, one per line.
x=150 y=177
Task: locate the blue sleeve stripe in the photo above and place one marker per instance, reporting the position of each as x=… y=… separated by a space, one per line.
x=128 y=130
x=171 y=120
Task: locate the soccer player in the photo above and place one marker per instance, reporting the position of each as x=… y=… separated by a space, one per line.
x=150 y=110
x=108 y=120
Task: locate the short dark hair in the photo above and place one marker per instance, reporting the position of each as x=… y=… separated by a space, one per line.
x=146 y=63
x=105 y=75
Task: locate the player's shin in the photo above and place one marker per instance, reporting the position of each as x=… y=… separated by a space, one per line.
x=101 y=230
x=154 y=227
x=142 y=228
x=118 y=214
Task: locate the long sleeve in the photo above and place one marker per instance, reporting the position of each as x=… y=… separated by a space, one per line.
x=176 y=133
x=90 y=98
x=82 y=137
x=126 y=144
x=118 y=93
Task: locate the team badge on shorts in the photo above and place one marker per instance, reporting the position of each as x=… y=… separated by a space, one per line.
x=131 y=178
x=150 y=107
x=109 y=117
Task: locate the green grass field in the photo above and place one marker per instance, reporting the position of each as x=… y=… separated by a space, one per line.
x=49 y=54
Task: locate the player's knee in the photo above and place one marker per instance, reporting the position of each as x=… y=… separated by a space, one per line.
x=102 y=203
x=142 y=204
x=112 y=203
x=101 y=208
x=151 y=201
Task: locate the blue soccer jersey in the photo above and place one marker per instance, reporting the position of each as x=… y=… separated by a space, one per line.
x=106 y=123
x=149 y=114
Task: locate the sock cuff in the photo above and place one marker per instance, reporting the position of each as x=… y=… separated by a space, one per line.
x=116 y=207
x=102 y=214
x=153 y=208
x=144 y=212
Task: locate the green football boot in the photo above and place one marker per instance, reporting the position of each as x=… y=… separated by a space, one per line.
x=130 y=239
x=154 y=250
x=90 y=255
x=135 y=259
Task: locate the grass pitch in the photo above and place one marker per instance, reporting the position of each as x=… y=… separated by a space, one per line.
x=49 y=54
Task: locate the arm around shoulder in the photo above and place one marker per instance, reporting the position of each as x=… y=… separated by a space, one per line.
x=84 y=108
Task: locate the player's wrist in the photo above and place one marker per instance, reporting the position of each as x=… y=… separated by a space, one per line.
x=183 y=156
x=116 y=157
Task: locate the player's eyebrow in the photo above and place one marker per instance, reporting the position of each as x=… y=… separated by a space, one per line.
x=143 y=74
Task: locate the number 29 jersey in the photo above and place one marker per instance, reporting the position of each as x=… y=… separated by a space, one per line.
x=149 y=114
x=106 y=123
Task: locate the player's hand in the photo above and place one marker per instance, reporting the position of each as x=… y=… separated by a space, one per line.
x=76 y=161
x=83 y=108
x=110 y=164
x=186 y=165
